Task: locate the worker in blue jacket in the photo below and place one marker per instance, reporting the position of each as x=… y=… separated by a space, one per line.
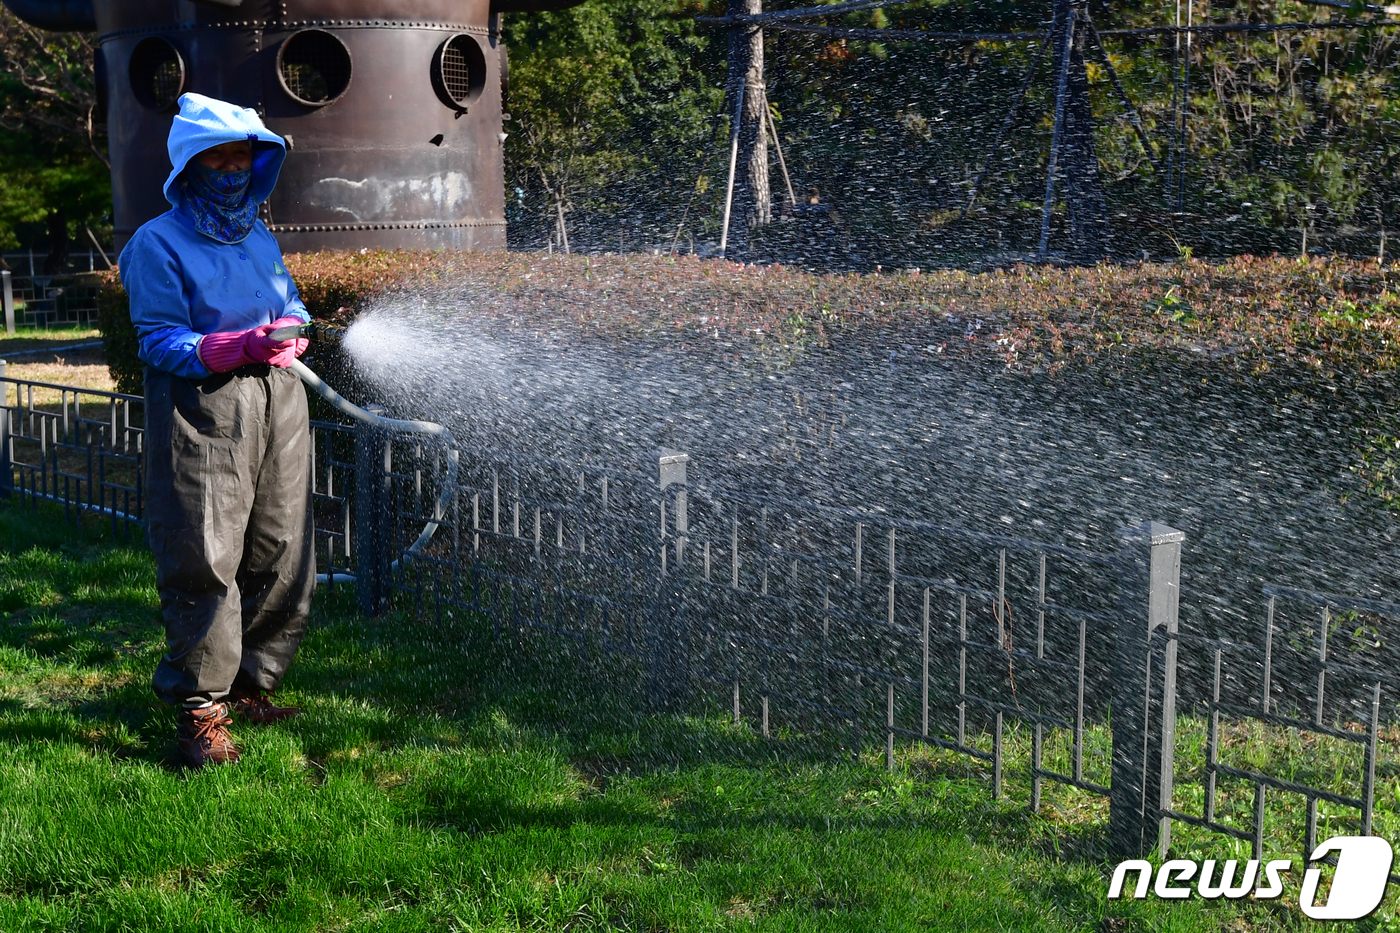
x=227 y=455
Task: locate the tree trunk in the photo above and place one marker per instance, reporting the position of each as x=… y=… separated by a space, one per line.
x=753 y=202
x=753 y=142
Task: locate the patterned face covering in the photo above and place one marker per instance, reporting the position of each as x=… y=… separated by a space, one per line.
x=219 y=202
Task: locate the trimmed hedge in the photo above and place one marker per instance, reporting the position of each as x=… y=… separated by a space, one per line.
x=1324 y=315
x=118 y=336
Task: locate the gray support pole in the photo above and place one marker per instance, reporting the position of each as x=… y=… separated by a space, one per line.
x=792 y=198
x=1087 y=209
x=1143 y=743
x=100 y=250
x=733 y=164
x=1064 y=19
x=9 y=298
x=1185 y=111
x=1123 y=97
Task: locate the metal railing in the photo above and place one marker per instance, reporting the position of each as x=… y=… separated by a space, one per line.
x=92 y=259
x=824 y=616
x=45 y=301
x=808 y=618
x=1309 y=677
x=332 y=489
x=79 y=447
x=862 y=617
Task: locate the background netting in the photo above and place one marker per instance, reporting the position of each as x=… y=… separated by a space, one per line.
x=1260 y=139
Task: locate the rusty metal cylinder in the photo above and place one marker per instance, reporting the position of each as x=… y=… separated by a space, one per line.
x=392 y=112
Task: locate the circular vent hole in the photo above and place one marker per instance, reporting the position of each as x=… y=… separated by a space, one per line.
x=314 y=67
x=157 y=73
x=459 y=71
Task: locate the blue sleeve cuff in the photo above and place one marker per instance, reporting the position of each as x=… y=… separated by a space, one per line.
x=174 y=350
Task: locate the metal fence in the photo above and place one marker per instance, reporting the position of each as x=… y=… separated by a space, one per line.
x=79 y=447
x=1319 y=670
x=45 y=301
x=932 y=634
x=30 y=264
x=807 y=618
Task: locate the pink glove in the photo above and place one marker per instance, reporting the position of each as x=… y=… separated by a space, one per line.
x=227 y=351
x=283 y=351
x=283 y=358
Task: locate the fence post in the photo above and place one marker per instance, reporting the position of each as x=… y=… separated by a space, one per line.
x=7 y=473
x=9 y=299
x=667 y=650
x=372 y=532
x=673 y=469
x=1144 y=685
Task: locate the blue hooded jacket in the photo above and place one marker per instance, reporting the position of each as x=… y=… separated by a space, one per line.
x=183 y=284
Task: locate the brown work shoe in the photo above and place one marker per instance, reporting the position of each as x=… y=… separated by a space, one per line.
x=258 y=708
x=203 y=737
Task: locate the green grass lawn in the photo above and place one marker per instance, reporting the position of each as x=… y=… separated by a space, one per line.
x=38 y=338
x=441 y=781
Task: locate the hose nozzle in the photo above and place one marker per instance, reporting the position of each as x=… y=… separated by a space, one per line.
x=323 y=333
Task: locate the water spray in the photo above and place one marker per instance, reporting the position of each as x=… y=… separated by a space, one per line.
x=326 y=333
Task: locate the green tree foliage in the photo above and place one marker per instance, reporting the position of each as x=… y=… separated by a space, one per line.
x=53 y=164
x=1303 y=127
x=618 y=127
x=1285 y=130
x=611 y=106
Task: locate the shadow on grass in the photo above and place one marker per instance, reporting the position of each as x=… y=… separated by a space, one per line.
x=401 y=684
x=402 y=681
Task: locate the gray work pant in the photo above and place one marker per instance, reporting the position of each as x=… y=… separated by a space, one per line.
x=229 y=519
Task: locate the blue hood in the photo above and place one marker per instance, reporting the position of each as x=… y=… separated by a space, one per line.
x=203 y=123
